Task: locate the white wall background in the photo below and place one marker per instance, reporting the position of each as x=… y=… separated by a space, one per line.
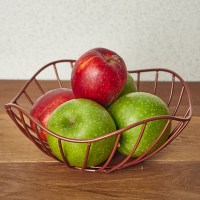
x=146 y=33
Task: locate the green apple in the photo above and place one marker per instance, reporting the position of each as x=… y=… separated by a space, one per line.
x=129 y=86
x=81 y=119
x=135 y=107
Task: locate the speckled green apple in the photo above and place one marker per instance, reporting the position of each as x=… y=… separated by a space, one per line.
x=130 y=86
x=81 y=119
x=135 y=107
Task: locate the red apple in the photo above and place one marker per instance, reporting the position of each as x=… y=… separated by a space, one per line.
x=99 y=75
x=46 y=104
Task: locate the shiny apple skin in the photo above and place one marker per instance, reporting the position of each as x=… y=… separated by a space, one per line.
x=130 y=86
x=81 y=119
x=132 y=108
x=46 y=104
x=99 y=75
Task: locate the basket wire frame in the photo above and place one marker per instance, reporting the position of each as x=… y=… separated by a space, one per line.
x=115 y=161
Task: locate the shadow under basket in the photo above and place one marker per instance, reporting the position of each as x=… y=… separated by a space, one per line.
x=179 y=105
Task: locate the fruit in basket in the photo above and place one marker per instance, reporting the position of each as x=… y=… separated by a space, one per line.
x=46 y=104
x=133 y=108
x=130 y=86
x=99 y=75
x=81 y=119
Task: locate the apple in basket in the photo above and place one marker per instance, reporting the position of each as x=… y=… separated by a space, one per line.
x=46 y=104
x=99 y=75
x=129 y=86
x=81 y=119
x=132 y=108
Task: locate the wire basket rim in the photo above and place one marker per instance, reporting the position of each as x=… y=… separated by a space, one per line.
x=167 y=117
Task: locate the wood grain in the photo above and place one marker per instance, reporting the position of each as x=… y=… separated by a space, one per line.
x=158 y=180
x=26 y=173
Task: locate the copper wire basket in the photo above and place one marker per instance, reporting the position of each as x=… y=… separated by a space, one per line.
x=180 y=107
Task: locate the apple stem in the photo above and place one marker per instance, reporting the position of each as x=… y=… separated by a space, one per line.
x=113 y=58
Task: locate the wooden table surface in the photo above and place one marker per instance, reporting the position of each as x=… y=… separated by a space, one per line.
x=27 y=173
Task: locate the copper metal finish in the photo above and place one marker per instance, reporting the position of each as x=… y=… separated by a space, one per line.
x=22 y=118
